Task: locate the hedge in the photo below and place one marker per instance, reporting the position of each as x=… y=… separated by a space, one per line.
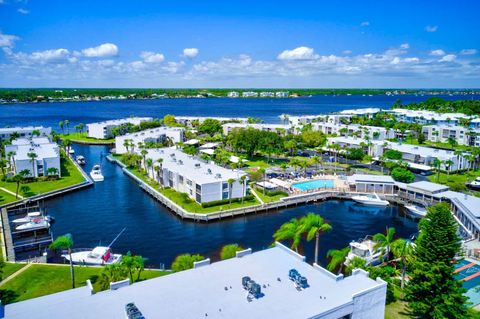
x=226 y=201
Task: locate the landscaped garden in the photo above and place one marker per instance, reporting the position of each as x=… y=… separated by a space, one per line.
x=83 y=138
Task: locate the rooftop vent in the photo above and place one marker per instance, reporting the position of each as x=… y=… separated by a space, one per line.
x=180 y=162
x=209 y=171
x=172 y=155
x=197 y=165
x=300 y=281
x=133 y=312
x=218 y=175
x=254 y=289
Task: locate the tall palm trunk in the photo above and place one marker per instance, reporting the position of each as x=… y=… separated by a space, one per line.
x=72 y=273
x=317 y=241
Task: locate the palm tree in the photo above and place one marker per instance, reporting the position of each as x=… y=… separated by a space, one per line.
x=149 y=165
x=66 y=143
x=32 y=156
x=437 y=164
x=230 y=182
x=295 y=163
x=65 y=242
x=315 y=161
x=3 y=165
x=144 y=153
x=290 y=230
x=304 y=165
x=458 y=153
x=11 y=159
x=243 y=180
x=60 y=124
x=126 y=144
x=337 y=258
x=157 y=170
x=52 y=171
x=402 y=251
x=449 y=164
x=384 y=241
x=313 y=225
x=67 y=124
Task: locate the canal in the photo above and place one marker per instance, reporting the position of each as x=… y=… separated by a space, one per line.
x=96 y=214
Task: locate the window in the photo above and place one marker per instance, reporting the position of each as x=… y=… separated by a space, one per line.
x=180 y=179
x=224 y=186
x=199 y=188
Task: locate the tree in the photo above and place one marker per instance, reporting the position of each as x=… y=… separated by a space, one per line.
x=67 y=124
x=52 y=171
x=185 y=261
x=36 y=133
x=403 y=175
x=448 y=164
x=18 y=178
x=210 y=126
x=316 y=160
x=230 y=182
x=356 y=262
x=313 y=138
x=33 y=156
x=402 y=251
x=421 y=138
x=11 y=159
x=144 y=153
x=432 y=291
x=111 y=273
x=452 y=142
x=229 y=251
x=65 y=242
x=3 y=166
x=384 y=241
x=60 y=125
x=313 y=225
x=243 y=180
x=169 y=120
x=2 y=265
x=290 y=230
x=149 y=165
x=25 y=190
x=133 y=264
x=437 y=164
x=337 y=258
x=355 y=154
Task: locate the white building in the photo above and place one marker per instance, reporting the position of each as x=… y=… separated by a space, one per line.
x=203 y=181
x=373 y=132
x=461 y=134
x=233 y=94
x=154 y=135
x=249 y=94
x=282 y=94
x=427 y=117
x=369 y=111
x=47 y=156
x=24 y=132
x=187 y=120
x=267 y=94
x=216 y=290
x=276 y=128
x=103 y=130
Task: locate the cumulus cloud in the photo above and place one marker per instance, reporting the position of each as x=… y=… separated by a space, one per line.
x=431 y=28
x=448 y=58
x=23 y=11
x=404 y=46
x=437 y=52
x=190 y=52
x=7 y=40
x=347 y=52
x=468 y=52
x=152 y=57
x=300 y=53
x=42 y=57
x=365 y=24
x=104 y=50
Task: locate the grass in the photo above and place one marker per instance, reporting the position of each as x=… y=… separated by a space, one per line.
x=83 y=138
x=456 y=181
x=6 y=198
x=258 y=161
x=40 y=280
x=266 y=198
x=70 y=176
x=396 y=310
x=186 y=202
x=11 y=268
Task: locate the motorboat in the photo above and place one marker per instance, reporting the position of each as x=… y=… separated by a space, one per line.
x=416 y=210
x=71 y=151
x=34 y=224
x=31 y=216
x=100 y=255
x=475 y=184
x=80 y=160
x=96 y=174
x=371 y=199
x=365 y=249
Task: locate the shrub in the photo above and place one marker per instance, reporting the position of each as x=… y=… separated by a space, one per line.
x=185 y=261
x=226 y=201
x=230 y=251
x=393 y=154
x=355 y=154
x=402 y=175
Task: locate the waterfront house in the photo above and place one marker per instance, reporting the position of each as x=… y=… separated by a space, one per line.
x=371 y=183
x=282 y=94
x=202 y=180
x=267 y=94
x=103 y=130
x=276 y=128
x=362 y=112
x=24 y=132
x=47 y=156
x=442 y=133
x=427 y=117
x=219 y=290
x=154 y=135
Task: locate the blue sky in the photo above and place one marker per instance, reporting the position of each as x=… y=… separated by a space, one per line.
x=239 y=44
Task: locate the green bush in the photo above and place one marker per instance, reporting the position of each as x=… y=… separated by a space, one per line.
x=226 y=201
x=393 y=154
x=356 y=154
x=272 y=193
x=402 y=175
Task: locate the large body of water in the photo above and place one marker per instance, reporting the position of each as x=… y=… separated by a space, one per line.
x=98 y=213
x=49 y=114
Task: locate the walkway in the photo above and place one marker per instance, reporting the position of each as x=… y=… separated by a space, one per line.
x=15 y=274
x=10 y=192
x=256 y=196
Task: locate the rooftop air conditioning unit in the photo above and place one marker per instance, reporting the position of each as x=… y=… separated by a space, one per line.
x=209 y=171
x=218 y=175
x=197 y=165
x=180 y=162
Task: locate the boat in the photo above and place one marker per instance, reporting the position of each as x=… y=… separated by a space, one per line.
x=416 y=210
x=31 y=216
x=372 y=199
x=96 y=173
x=475 y=184
x=80 y=160
x=100 y=255
x=71 y=151
x=34 y=224
x=365 y=249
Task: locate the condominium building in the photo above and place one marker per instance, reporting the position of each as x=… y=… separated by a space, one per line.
x=24 y=132
x=249 y=94
x=461 y=134
x=103 y=130
x=362 y=131
x=47 y=155
x=276 y=128
x=233 y=94
x=188 y=120
x=203 y=181
x=267 y=94
x=368 y=112
x=427 y=117
x=154 y=135
x=272 y=283
x=282 y=94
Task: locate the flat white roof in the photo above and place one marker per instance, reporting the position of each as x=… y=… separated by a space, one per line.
x=21 y=129
x=40 y=146
x=427 y=187
x=212 y=291
x=365 y=178
x=152 y=132
x=122 y=121
x=258 y=125
x=361 y=111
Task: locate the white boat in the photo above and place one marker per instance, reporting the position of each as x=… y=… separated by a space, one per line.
x=100 y=255
x=365 y=249
x=30 y=217
x=372 y=199
x=34 y=224
x=96 y=174
x=80 y=160
x=416 y=211
x=474 y=184
x=71 y=151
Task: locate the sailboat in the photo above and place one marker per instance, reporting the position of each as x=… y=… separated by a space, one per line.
x=98 y=256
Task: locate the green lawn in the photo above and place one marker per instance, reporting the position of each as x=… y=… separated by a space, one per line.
x=396 y=310
x=83 y=138
x=258 y=161
x=456 y=181
x=70 y=176
x=10 y=268
x=40 y=280
x=266 y=198
x=6 y=198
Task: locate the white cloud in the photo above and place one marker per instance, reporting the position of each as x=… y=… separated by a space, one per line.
x=190 y=52
x=23 y=11
x=7 y=40
x=42 y=57
x=431 y=28
x=152 y=57
x=102 y=51
x=468 y=52
x=437 y=52
x=411 y=60
x=448 y=58
x=404 y=46
x=365 y=24
x=347 y=52
x=300 y=53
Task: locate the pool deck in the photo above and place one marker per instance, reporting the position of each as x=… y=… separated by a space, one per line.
x=338 y=184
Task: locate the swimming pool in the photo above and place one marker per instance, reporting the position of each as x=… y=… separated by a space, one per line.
x=314 y=184
x=468 y=272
